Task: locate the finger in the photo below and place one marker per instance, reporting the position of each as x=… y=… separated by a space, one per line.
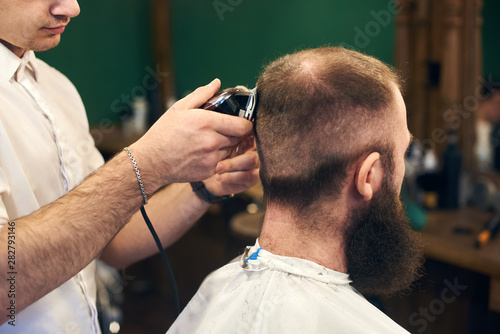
x=225 y=152
x=247 y=161
x=250 y=143
x=237 y=148
x=198 y=97
x=246 y=144
x=238 y=181
x=231 y=125
x=228 y=144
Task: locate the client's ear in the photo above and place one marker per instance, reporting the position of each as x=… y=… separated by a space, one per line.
x=368 y=177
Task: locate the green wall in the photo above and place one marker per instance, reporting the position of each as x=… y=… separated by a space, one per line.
x=105 y=50
x=491 y=43
x=232 y=39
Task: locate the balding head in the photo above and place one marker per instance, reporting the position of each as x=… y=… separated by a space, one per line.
x=319 y=111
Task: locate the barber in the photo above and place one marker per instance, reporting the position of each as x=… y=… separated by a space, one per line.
x=61 y=208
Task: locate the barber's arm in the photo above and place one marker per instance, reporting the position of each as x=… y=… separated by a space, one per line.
x=57 y=241
x=175 y=209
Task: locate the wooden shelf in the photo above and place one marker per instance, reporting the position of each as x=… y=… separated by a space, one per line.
x=442 y=242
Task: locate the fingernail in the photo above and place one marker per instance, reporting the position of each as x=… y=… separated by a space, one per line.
x=214 y=81
x=218 y=168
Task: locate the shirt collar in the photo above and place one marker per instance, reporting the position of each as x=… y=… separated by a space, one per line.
x=10 y=64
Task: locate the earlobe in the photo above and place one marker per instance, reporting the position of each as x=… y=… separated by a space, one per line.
x=369 y=176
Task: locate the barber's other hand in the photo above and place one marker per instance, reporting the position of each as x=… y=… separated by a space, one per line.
x=186 y=143
x=237 y=173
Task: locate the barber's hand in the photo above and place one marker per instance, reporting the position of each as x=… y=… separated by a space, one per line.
x=237 y=173
x=186 y=143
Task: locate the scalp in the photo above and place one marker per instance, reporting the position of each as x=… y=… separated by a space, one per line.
x=319 y=110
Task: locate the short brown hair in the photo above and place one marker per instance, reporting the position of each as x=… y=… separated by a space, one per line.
x=320 y=110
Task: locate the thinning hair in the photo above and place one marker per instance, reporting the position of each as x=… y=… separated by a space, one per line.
x=319 y=111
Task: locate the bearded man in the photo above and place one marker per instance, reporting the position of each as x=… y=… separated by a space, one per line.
x=331 y=134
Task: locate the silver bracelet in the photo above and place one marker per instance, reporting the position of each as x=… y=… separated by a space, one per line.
x=141 y=185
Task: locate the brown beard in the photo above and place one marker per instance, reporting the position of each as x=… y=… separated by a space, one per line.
x=383 y=254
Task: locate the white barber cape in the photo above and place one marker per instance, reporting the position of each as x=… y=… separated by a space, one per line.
x=45 y=151
x=269 y=294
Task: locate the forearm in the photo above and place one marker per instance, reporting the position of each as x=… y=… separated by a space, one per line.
x=172 y=211
x=57 y=241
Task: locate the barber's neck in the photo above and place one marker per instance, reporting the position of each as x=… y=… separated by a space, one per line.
x=14 y=49
x=311 y=238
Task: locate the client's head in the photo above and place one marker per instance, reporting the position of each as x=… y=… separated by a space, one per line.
x=331 y=134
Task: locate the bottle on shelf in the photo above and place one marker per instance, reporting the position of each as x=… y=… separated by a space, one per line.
x=451 y=173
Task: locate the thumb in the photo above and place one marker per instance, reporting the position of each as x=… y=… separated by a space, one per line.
x=198 y=97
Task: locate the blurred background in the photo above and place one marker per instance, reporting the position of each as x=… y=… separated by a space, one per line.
x=131 y=59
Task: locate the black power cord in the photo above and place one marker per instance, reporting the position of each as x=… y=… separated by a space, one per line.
x=165 y=260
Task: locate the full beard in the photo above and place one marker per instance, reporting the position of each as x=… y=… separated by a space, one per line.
x=384 y=255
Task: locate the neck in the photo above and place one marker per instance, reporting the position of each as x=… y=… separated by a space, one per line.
x=14 y=49
x=314 y=239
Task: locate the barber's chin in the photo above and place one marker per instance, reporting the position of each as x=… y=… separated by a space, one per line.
x=46 y=43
